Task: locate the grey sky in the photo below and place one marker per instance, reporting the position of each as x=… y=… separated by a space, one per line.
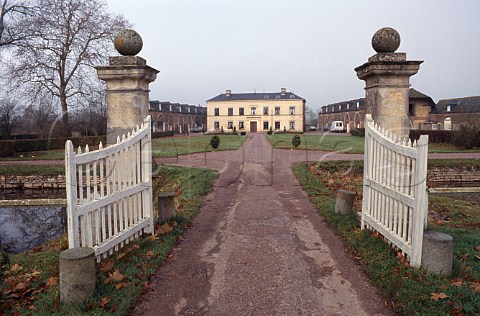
x=310 y=47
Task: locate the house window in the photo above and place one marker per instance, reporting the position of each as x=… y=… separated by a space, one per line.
x=348 y=106
x=230 y=111
x=265 y=125
x=277 y=125
x=265 y=110
x=254 y=111
x=292 y=110
x=241 y=111
x=411 y=110
x=292 y=125
x=216 y=125
x=340 y=107
x=449 y=108
x=217 y=111
x=240 y=125
x=277 y=110
x=358 y=104
x=230 y=125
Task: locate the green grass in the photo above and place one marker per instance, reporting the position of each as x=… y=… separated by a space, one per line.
x=175 y=146
x=32 y=169
x=53 y=154
x=34 y=289
x=406 y=289
x=449 y=148
x=346 y=144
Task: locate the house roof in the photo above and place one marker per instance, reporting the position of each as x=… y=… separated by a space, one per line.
x=256 y=96
x=412 y=93
x=458 y=105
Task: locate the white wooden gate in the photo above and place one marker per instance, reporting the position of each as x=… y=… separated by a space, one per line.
x=109 y=192
x=395 y=201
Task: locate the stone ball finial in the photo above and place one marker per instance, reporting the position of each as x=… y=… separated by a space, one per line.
x=386 y=40
x=128 y=42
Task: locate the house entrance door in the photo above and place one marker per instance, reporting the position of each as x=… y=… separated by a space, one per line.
x=253 y=127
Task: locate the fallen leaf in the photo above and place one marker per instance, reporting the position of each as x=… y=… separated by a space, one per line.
x=478 y=257
x=135 y=246
x=149 y=255
x=117 y=276
x=120 y=285
x=51 y=281
x=106 y=266
x=121 y=255
x=113 y=309
x=438 y=296
x=20 y=287
x=457 y=283
x=16 y=267
x=104 y=301
x=31 y=307
x=475 y=287
x=478 y=248
x=163 y=229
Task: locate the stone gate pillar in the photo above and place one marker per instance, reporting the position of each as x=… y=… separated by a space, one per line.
x=127 y=78
x=387 y=81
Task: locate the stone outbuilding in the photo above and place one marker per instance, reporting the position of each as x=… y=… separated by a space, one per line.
x=450 y=114
x=352 y=112
x=180 y=118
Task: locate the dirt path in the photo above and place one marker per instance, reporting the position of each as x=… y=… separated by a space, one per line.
x=258 y=247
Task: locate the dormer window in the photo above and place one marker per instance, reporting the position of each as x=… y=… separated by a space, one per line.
x=449 y=108
x=358 y=104
x=340 y=107
x=348 y=106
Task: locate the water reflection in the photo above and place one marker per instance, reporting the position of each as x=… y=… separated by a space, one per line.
x=25 y=227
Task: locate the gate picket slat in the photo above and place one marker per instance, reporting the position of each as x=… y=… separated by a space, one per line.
x=394 y=190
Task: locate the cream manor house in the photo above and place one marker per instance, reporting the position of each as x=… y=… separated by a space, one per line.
x=256 y=112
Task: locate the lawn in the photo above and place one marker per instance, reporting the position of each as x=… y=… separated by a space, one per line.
x=175 y=146
x=346 y=143
x=30 y=280
x=407 y=290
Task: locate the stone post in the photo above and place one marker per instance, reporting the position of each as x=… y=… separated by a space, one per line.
x=344 y=202
x=127 y=78
x=77 y=274
x=387 y=75
x=437 y=252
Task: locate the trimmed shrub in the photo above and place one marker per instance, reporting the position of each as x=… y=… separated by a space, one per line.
x=296 y=141
x=357 y=132
x=467 y=137
x=243 y=133
x=26 y=145
x=7 y=148
x=162 y=134
x=215 y=142
x=270 y=132
x=433 y=136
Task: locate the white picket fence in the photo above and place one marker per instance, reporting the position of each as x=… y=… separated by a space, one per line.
x=395 y=201
x=109 y=192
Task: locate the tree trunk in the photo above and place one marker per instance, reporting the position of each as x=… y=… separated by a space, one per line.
x=65 y=124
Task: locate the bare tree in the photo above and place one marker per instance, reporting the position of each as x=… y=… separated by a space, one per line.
x=69 y=38
x=9 y=118
x=11 y=12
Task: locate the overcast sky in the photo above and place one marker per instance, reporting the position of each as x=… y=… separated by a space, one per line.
x=309 y=47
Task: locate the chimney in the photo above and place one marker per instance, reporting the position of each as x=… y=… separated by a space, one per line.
x=228 y=93
x=283 y=90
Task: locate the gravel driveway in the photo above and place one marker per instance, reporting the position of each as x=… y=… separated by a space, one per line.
x=258 y=247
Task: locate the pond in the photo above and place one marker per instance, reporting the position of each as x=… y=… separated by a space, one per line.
x=26 y=227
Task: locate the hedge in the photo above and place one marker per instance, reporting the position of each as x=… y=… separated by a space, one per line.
x=162 y=134
x=28 y=145
x=7 y=148
x=433 y=136
x=357 y=132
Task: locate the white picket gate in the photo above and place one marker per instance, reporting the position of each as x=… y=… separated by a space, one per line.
x=395 y=201
x=109 y=192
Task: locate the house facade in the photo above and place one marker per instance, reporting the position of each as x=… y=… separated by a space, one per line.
x=352 y=112
x=450 y=114
x=256 y=112
x=180 y=118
